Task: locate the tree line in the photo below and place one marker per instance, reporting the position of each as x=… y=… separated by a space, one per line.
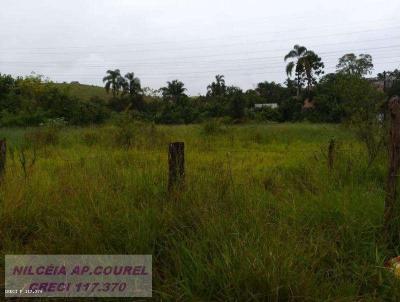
x=334 y=97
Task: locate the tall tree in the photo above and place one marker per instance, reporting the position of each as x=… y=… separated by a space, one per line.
x=6 y=83
x=294 y=56
x=132 y=84
x=237 y=102
x=351 y=64
x=312 y=66
x=114 y=82
x=306 y=64
x=173 y=91
x=217 y=88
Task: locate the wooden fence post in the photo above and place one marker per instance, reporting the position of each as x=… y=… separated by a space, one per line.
x=176 y=162
x=3 y=154
x=331 y=154
x=392 y=209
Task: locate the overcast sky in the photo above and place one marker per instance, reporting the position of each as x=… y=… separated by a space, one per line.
x=190 y=40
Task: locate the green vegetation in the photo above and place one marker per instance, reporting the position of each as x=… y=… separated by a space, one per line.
x=360 y=66
x=307 y=66
x=261 y=217
x=32 y=101
x=310 y=96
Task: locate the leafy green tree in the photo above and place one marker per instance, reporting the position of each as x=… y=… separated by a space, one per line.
x=233 y=90
x=7 y=83
x=290 y=110
x=237 y=102
x=362 y=106
x=132 y=88
x=177 y=107
x=353 y=65
x=8 y=101
x=329 y=106
x=217 y=88
x=269 y=115
x=272 y=92
x=312 y=67
x=306 y=64
x=216 y=106
x=114 y=82
x=174 y=91
x=252 y=97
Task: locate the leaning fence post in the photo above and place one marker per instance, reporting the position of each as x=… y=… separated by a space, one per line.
x=176 y=162
x=392 y=209
x=3 y=154
x=331 y=154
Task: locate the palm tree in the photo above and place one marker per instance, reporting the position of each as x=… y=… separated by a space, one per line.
x=220 y=79
x=296 y=54
x=174 y=90
x=218 y=87
x=132 y=84
x=113 y=81
x=306 y=63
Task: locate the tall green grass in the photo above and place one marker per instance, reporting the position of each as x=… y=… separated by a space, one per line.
x=261 y=217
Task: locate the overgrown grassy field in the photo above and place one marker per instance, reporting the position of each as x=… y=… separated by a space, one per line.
x=261 y=217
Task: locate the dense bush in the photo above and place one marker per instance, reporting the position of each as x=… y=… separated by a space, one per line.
x=32 y=100
x=291 y=110
x=269 y=115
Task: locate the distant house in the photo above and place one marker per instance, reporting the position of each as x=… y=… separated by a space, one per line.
x=261 y=106
x=75 y=82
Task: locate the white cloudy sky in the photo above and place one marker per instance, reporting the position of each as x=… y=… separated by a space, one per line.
x=190 y=40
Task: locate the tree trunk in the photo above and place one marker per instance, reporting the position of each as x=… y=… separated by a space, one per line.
x=298 y=86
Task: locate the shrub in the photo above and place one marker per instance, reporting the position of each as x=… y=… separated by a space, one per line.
x=92 y=112
x=125 y=131
x=269 y=115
